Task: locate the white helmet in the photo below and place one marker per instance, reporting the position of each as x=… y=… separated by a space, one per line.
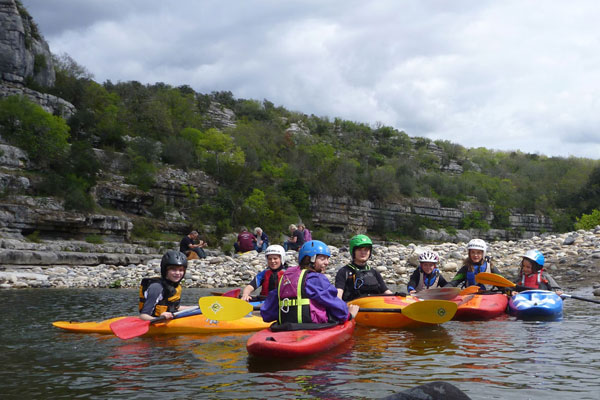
x=429 y=256
x=477 y=244
x=275 y=249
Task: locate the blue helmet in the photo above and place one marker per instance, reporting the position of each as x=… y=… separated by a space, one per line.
x=536 y=256
x=312 y=249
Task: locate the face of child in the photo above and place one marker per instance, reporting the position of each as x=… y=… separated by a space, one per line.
x=361 y=255
x=476 y=255
x=427 y=267
x=527 y=267
x=175 y=273
x=273 y=261
x=321 y=263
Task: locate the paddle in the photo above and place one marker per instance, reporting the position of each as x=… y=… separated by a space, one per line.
x=500 y=281
x=130 y=327
x=440 y=293
x=219 y=308
x=470 y=290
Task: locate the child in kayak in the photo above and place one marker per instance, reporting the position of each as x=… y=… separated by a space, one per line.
x=268 y=279
x=476 y=262
x=305 y=295
x=161 y=295
x=426 y=275
x=533 y=275
x=357 y=278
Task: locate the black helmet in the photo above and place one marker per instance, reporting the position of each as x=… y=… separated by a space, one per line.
x=172 y=257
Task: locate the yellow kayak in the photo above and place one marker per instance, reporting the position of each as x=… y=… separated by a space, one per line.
x=189 y=325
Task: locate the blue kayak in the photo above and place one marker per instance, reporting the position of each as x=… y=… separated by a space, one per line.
x=536 y=304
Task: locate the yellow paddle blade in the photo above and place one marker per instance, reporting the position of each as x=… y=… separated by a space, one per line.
x=431 y=311
x=222 y=308
x=488 y=278
x=469 y=290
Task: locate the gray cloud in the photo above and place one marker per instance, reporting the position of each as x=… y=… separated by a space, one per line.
x=508 y=75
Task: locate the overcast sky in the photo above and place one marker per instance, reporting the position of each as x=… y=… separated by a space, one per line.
x=505 y=75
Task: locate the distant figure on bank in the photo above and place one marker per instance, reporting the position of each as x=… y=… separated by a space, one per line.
x=296 y=240
x=305 y=232
x=427 y=274
x=188 y=244
x=245 y=241
x=262 y=240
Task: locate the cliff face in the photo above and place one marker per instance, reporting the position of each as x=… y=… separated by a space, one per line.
x=24 y=54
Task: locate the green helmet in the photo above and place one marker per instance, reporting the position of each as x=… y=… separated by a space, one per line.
x=359 y=241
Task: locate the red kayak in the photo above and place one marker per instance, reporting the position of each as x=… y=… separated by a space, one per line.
x=290 y=344
x=480 y=306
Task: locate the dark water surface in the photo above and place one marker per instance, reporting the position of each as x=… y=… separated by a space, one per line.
x=499 y=359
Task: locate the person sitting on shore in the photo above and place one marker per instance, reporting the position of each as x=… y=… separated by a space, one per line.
x=188 y=245
x=533 y=275
x=426 y=275
x=305 y=232
x=245 y=241
x=262 y=240
x=476 y=262
x=357 y=278
x=268 y=279
x=307 y=287
x=296 y=240
x=160 y=296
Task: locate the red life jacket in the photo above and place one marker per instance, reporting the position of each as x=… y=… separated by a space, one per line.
x=533 y=280
x=265 y=285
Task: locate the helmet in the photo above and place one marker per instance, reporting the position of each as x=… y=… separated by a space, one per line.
x=429 y=256
x=359 y=241
x=312 y=249
x=536 y=256
x=477 y=244
x=172 y=257
x=275 y=249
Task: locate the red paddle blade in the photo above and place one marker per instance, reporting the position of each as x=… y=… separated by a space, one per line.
x=233 y=293
x=129 y=327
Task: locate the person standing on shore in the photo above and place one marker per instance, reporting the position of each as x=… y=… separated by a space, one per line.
x=357 y=278
x=160 y=296
x=477 y=261
x=188 y=244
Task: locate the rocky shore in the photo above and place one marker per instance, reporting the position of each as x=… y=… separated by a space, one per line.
x=572 y=258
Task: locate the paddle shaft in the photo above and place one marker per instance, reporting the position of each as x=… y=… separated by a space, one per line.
x=178 y=314
x=580 y=298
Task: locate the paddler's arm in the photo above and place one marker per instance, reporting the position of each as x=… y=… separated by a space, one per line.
x=269 y=311
x=319 y=289
x=153 y=296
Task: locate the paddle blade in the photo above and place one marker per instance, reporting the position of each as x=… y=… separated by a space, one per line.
x=488 y=278
x=233 y=293
x=220 y=308
x=470 y=290
x=431 y=311
x=129 y=327
x=442 y=293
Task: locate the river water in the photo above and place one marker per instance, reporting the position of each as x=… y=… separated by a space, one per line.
x=498 y=359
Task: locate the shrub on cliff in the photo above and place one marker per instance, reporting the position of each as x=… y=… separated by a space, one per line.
x=588 y=221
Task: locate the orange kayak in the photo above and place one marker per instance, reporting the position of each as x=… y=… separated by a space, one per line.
x=189 y=325
x=382 y=319
x=480 y=306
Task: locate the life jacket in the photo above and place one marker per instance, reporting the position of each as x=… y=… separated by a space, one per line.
x=171 y=295
x=360 y=282
x=294 y=306
x=534 y=280
x=270 y=282
x=428 y=281
x=471 y=275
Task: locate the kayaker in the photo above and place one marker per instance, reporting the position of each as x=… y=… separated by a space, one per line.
x=357 y=278
x=161 y=295
x=426 y=275
x=533 y=275
x=476 y=262
x=305 y=295
x=268 y=279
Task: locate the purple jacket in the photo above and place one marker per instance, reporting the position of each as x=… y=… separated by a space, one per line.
x=319 y=290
